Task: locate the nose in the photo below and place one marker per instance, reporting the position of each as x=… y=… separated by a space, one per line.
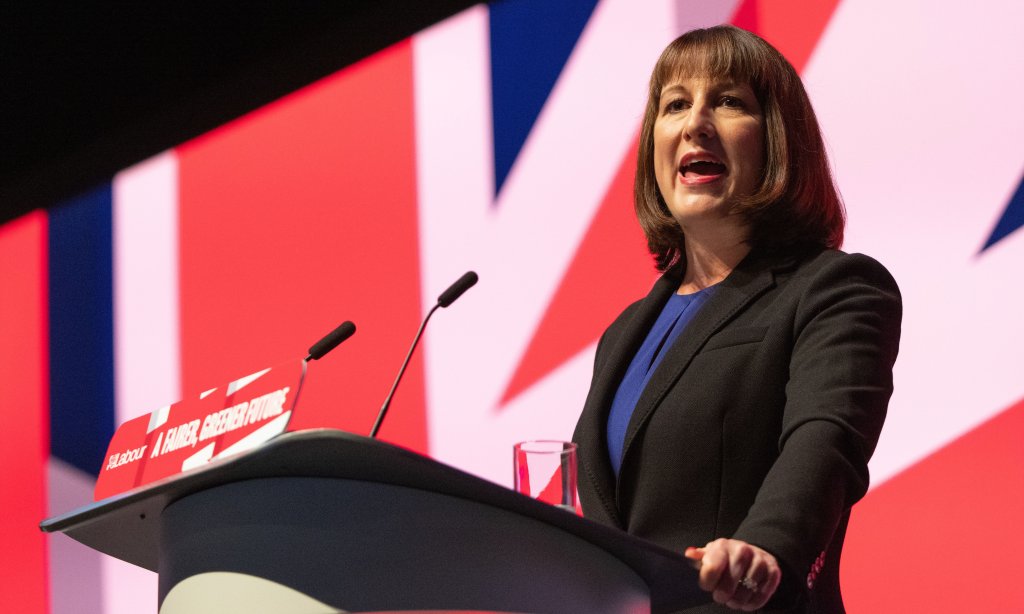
x=699 y=122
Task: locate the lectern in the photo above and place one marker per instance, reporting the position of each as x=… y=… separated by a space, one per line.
x=327 y=521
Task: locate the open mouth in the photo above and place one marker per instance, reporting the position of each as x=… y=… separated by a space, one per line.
x=698 y=167
x=701 y=169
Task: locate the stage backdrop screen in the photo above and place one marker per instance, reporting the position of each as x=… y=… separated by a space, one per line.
x=503 y=140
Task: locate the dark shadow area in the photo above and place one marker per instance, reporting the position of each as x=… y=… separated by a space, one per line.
x=90 y=89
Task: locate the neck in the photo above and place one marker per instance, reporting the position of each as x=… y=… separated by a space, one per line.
x=710 y=259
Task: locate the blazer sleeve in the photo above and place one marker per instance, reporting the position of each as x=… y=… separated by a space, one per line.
x=845 y=339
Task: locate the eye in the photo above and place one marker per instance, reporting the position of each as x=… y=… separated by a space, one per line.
x=676 y=105
x=731 y=102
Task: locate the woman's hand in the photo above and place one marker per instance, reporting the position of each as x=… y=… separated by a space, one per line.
x=737 y=574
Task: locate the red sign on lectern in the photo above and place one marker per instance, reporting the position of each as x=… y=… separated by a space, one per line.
x=216 y=424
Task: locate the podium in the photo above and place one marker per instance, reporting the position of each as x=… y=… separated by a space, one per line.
x=343 y=523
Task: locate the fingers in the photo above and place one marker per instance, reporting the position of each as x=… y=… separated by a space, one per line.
x=724 y=561
x=696 y=555
x=737 y=574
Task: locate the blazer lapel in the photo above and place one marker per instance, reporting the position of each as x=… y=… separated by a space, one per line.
x=590 y=434
x=748 y=281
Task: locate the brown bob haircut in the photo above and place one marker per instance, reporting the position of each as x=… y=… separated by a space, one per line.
x=796 y=205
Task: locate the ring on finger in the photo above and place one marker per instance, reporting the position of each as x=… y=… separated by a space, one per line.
x=749 y=584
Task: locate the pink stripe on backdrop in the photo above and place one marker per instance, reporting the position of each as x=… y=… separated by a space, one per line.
x=147 y=358
x=958 y=362
x=76 y=569
x=147 y=354
x=522 y=245
x=24 y=419
x=692 y=14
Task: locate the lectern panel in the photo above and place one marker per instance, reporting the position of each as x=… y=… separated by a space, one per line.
x=415 y=549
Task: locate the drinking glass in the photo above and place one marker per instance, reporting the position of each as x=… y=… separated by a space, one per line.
x=546 y=471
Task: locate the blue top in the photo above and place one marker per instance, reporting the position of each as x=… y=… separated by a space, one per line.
x=675 y=316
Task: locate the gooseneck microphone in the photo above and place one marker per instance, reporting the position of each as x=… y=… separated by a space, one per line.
x=331 y=340
x=454 y=291
x=447 y=297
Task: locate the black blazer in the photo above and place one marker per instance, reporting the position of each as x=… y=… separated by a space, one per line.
x=759 y=422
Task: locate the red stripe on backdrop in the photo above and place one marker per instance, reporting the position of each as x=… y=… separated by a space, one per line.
x=791 y=26
x=295 y=218
x=24 y=419
x=944 y=535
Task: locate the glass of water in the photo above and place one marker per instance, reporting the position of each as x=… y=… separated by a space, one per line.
x=546 y=471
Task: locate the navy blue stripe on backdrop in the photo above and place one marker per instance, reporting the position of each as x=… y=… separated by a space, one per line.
x=1012 y=218
x=81 y=330
x=530 y=43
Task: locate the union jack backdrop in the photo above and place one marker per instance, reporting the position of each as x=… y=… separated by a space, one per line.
x=503 y=140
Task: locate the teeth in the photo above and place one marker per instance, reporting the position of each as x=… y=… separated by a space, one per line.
x=699 y=159
x=696 y=160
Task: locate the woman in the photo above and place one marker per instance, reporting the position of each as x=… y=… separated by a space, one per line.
x=736 y=406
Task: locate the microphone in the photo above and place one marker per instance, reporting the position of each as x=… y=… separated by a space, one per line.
x=331 y=340
x=447 y=297
x=454 y=291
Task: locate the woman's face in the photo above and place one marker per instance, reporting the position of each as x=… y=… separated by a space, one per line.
x=708 y=148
